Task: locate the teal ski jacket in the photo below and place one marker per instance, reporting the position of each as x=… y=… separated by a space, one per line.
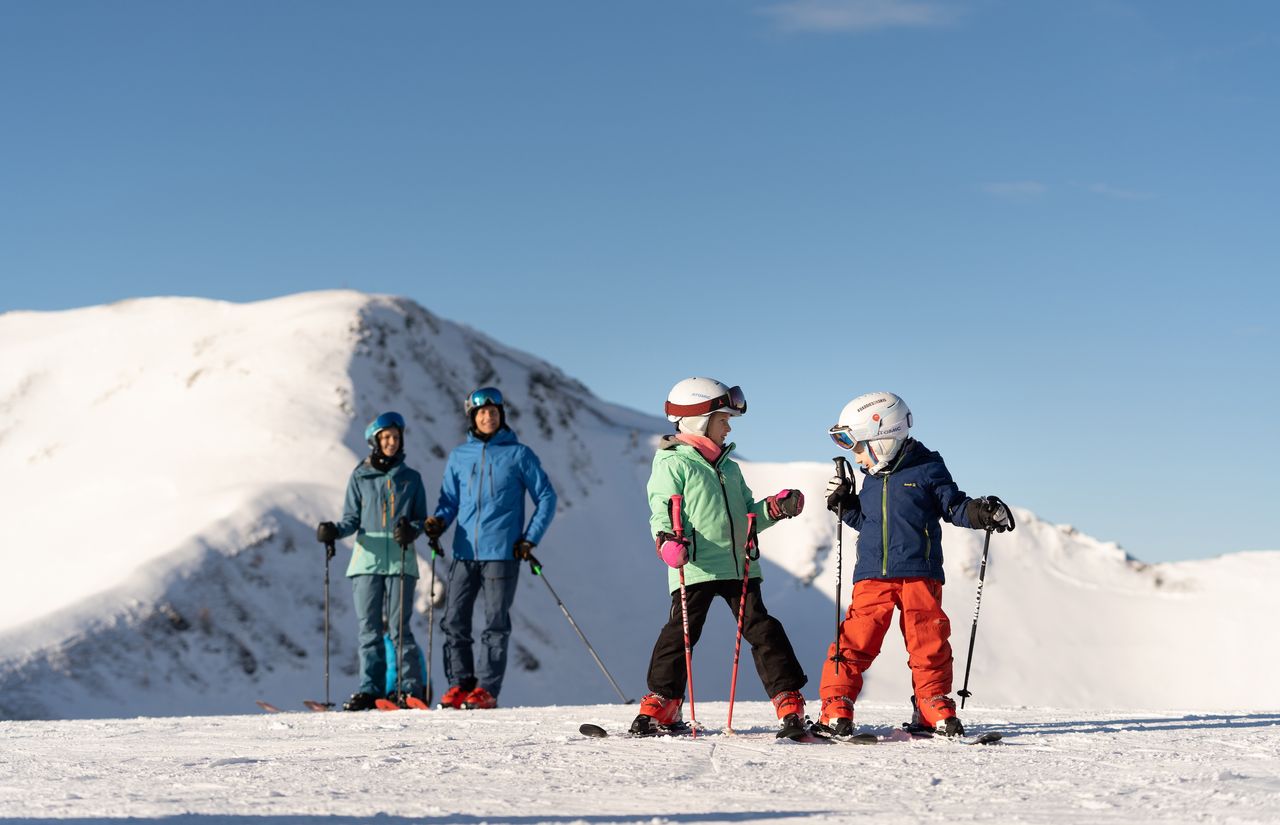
x=375 y=502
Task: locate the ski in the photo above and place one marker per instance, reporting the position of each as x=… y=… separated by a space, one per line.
x=857 y=739
x=987 y=738
x=597 y=732
x=827 y=732
x=310 y=704
x=412 y=702
x=803 y=733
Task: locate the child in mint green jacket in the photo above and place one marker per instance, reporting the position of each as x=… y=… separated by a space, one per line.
x=694 y=464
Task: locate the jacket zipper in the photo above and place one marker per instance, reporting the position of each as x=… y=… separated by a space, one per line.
x=928 y=544
x=884 y=524
x=733 y=534
x=388 y=503
x=479 y=501
x=884 y=511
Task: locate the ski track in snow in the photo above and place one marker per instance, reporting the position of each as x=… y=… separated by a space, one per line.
x=530 y=765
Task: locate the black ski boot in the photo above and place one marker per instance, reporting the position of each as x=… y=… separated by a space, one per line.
x=950 y=727
x=360 y=701
x=648 y=726
x=792 y=727
x=841 y=726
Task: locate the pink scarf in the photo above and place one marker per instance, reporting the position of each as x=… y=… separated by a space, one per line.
x=710 y=451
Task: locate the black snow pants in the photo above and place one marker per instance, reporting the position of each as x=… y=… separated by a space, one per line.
x=775 y=659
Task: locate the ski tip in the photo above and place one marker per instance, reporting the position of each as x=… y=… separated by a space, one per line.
x=989 y=738
x=594 y=731
x=318 y=707
x=416 y=703
x=268 y=707
x=385 y=704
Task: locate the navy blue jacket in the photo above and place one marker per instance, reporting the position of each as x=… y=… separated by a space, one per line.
x=484 y=487
x=899 y=523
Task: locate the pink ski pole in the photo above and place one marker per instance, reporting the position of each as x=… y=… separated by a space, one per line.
x=678 y=527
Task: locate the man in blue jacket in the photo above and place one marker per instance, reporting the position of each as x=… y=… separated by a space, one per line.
x=484 y=486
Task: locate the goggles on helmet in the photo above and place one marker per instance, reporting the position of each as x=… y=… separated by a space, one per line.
x=732 y=400
x=844 y=439
x=382 y=422
x=483 y=397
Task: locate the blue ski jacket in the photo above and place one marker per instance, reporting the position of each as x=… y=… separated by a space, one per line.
x=899 y=519
x=375 y=502
x=483 y=489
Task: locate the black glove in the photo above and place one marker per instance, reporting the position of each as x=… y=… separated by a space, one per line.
x=326 y=532
x=785 y=504
x=989 y=513
x=841 y=495
x=405 y=533
x=523 y=549
x=434 y=527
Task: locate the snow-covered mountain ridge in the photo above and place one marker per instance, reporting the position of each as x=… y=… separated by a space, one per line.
x=164 y=462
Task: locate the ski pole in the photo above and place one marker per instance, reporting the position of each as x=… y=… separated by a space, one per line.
x=329 y=552
x=536 y=567
x=431 y=611
x=400 y=634
x=677 y=525
x=964 y=693
x=842 y=465
x=751 y=550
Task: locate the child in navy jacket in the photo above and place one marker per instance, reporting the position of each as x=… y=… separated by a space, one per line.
x=906 y=493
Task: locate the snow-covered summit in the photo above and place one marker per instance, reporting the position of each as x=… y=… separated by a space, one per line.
x=163 y=463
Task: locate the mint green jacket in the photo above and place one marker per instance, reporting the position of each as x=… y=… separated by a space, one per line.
x=715 y=507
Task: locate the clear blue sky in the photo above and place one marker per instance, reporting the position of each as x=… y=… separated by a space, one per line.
x=1051 y=227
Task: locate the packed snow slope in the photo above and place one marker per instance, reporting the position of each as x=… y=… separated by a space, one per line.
x=526 y=766
x=163 y=463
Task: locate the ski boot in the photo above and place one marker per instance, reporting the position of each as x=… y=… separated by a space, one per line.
x=789 y=705
x=943 y=710
x=658 y=715
x=479 y=699
x=360 y=701
x=456 y=695
x=836 y=718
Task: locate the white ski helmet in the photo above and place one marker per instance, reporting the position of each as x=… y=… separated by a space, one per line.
x=877 y=422
x=692 y=401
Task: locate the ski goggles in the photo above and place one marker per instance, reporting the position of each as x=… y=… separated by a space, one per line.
x=732 y=400
x=844 y=439
x=484 y=397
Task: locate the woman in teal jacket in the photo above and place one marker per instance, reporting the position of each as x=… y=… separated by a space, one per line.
x=694 y=463
x=385 y=506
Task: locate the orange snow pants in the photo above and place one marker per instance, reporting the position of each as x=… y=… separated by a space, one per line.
x=924 y=626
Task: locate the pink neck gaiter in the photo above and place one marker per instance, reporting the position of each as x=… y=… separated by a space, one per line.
x=710 y=451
